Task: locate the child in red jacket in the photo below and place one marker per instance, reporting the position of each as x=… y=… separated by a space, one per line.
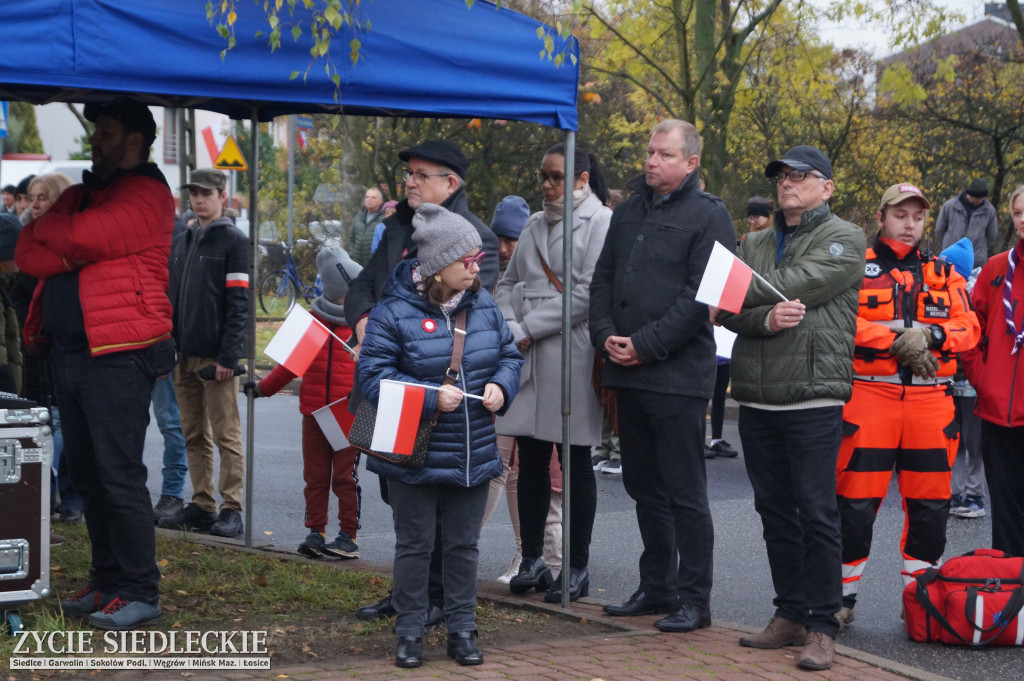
x=328 y=379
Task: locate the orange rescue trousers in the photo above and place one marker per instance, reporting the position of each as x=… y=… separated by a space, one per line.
x=911 y=429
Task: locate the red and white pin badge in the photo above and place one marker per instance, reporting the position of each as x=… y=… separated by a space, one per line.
x=429 y=325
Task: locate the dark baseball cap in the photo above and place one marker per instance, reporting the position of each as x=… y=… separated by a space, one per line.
x=803 y=157
x=9 y=189
x=133 y=115
x=207 y=178
x=441 y=152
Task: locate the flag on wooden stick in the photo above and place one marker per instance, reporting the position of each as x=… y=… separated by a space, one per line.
x=298 y=341
x=726 y=280
x=335 y=420
x=399 y=410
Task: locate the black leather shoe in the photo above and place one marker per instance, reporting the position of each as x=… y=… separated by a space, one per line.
x=688 y=617
x=381 y=610
x=190 y=517
x=579 y=586
x=533 y=574
x=435 y=616
x=463 y=650
x=229 y=524
x=642 y=603
x=410 y=652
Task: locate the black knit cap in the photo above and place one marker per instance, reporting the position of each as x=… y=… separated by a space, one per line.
x=441 y=152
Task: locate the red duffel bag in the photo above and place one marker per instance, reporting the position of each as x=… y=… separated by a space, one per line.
x=975 y=599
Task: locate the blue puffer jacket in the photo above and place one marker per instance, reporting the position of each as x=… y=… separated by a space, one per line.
x=408 y=339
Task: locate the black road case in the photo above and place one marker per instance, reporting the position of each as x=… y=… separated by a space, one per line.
x=26 y=449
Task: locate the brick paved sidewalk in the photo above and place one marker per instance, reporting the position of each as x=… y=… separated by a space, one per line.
x=637 y=653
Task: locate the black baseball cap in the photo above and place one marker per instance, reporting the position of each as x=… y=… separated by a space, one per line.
x=133 y=115
x=803 y=157
x=9 y=189
x=441 y=152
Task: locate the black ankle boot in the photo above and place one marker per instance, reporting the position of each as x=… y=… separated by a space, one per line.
x=579 y=586
x=410 y=652
x=533 y=574
x=463 y=650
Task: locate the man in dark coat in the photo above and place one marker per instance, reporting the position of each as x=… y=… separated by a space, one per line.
x=660 y=349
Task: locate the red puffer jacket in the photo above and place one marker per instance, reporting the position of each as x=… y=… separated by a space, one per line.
x=995 y=373
x=124 y=236
x=329 y=378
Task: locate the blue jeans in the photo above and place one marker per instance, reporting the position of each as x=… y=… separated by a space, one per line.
x=104 y=404
x=791 y=460
x=168 y=419
x=69 y=499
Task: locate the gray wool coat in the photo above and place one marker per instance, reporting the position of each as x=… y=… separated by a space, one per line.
x=532 y=307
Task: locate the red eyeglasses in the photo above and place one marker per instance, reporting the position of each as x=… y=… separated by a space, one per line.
x=473 y=260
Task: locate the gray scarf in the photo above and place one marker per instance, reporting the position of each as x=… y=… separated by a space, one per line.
x=329 y=311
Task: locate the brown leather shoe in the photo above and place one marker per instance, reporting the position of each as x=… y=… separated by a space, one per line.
x=818 y=652
x=779 y=633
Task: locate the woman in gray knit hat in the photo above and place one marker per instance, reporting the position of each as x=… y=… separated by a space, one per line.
x=409 y=338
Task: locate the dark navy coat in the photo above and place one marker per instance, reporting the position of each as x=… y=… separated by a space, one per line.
x=408 y=339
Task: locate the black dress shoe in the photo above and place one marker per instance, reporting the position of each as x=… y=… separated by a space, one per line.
x=435 y=616
x=533 y=574
x=463 y=650
x=688 y=617
x=642 y=603
x=381 y=610
x=410 y=652
x=229 y=524
x=579 y=586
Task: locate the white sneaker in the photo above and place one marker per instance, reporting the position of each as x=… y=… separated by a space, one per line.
x=513 y=568
x=597 y=462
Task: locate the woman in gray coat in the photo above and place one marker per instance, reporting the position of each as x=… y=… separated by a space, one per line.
x=530 y=299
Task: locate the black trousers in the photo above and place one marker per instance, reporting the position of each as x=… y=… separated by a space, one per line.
x=1003 y=451
x=435 y=580
x=104 y=409
x=535 y=498
x=718 y=401
x=791 y=460
x=662 y=439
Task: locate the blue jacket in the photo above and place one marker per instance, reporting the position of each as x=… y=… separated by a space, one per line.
x=408 y=339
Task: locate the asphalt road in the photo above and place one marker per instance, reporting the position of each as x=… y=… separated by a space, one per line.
x=742 y=592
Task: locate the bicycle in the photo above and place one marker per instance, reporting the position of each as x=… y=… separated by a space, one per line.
x=280 y=289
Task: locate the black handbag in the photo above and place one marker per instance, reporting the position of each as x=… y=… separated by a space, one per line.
x=361 y=434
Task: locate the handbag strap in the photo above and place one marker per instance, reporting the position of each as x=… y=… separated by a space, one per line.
x=458 y=345
x=547 y=270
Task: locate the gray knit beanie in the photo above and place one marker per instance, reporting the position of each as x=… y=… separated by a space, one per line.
x=337 y=270
x=441 y=237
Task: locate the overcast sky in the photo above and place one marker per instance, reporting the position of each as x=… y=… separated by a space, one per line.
x=853 y=34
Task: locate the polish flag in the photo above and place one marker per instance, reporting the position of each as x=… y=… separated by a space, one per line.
x=399 y=410
x=726 y=280
x=297 y=341
x=335 y=420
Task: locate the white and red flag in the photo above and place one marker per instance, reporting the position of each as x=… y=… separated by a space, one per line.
x=399 y=410
x=297 y=341
x=335 y=420
x=726 y=280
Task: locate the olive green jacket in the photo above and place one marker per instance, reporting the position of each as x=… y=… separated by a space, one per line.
x=822 y=265
x=11 y=361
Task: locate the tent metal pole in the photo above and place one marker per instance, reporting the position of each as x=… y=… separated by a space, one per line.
x=250 y=426
x=570 y=175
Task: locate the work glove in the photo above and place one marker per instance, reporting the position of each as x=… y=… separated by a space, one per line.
x=209 y=373
x=252 y=388
x=909 y=344
x=924 y=364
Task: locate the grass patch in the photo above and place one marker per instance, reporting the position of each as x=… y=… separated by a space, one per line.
x=209 y=588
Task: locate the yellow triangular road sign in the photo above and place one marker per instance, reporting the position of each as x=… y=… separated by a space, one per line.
x=230 y=157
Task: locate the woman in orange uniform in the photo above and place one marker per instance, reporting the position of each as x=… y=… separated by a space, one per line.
x=914 y=317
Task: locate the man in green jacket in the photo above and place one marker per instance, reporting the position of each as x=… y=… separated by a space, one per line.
x=792 y=371
x=361 y=237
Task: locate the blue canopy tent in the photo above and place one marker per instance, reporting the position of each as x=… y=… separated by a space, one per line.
x=428 y=58
x=433 y=58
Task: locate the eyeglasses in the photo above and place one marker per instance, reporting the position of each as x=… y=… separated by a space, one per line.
x=796 y=176
x=473 y=260
x=557 y=178
x=420 y=177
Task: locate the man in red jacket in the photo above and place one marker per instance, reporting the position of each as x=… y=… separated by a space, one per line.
x=101 y=310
